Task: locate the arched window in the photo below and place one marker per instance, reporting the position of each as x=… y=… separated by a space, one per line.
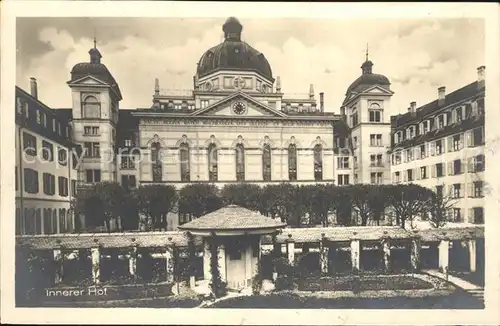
x=318 y=163
x=240 y=162
x=91 y=107
x=292 y=162
x=212 y=162
x=266 y=162
x=185 y=162
x=156 y=161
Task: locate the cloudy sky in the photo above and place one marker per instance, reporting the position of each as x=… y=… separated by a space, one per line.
x=417 y=56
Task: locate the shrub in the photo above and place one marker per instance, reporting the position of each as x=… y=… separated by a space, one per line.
x=257 y=280
x=283 y=267
x=284 y=282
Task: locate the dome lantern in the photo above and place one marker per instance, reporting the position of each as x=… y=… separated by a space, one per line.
x=95 y=55
x=232 y=29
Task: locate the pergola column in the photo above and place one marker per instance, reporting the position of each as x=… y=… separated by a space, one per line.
x=355 y=254
x=206 y=260
x=221 y=258
x=415 y=253
x=58 y=264
x=472 y=254
x=290 y=249
x=323 y=255
x=386 y=249
x=169 y=264
x=444 y=255
x=96 y=264
x=132 y=261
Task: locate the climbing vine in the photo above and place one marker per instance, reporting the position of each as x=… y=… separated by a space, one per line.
x=217 y=285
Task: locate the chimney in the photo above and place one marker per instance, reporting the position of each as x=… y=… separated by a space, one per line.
x=157 y=86
x=34 y=87
x=278 y=84
x=441 y=95
x=321 y=102
x=311 y=92
x=413 y=107
x=480 y=77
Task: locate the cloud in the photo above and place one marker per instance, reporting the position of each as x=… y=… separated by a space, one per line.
x=417 y=56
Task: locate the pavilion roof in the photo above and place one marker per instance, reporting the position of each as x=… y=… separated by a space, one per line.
x=232 y=217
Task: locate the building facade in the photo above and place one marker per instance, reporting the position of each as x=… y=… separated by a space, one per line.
x=440 y=145
x=45 y=172
x=236 y=125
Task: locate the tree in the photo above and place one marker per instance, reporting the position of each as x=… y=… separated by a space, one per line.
x=439 y=208
x=318 y=202
x=284 y=200
x=199 y=199
x=340 y=203
x=101 y=203
x=379 y=201
x=155 y=202
x=409 y=200
x=359 y=197
x=245 y=195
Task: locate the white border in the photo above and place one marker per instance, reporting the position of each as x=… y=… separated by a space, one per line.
x=12 y=9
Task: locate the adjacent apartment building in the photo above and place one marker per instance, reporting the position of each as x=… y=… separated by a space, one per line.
x=440 y=145
x=45 y=174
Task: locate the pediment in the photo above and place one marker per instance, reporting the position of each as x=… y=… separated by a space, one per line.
x=239 y=105
x=89 y=80
x=377 y=90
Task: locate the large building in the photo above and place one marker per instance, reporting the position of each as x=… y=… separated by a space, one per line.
x=440 y=145
x=235 y=125
x=45 y=174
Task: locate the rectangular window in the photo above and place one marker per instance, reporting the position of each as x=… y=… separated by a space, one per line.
x=380 y=161
x=204 y=104
x=439 y=170
x=457 y=215
x=93 y=176
x=343 y=162
x=73 y=188
x=355 y=162
x=62 y=156
x=375 y=115
x=423 y=172
x=63 y=186
x=127 y=161
x=439 y=147
x=376 y=177
x=343 y=179
x=456 y=190
x=355 y=142
x=29 y=144
x=373 y=159
x=31 y=181
x=47 y=151
x=397 y=177
x=478 y=136
x=127 y=142
x=478 y=215
x=49 y=184
x=457 y=167
x=354 y=119
x=409 y=173
x=423 y=152
x=477 y=191
x=92 y=149
x=409 y=155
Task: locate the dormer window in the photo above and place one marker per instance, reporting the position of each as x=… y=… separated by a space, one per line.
x=424 y=127
x=410 y=132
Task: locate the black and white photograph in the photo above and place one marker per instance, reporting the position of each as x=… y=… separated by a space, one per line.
x=227 y=161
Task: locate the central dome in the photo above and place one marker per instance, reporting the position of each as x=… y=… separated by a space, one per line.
x=233 y=53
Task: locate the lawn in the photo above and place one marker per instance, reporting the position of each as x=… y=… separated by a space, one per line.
x=295 y=301
x=365 y=283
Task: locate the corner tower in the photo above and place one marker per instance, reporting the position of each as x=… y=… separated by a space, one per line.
x=366 y=109
x=96 y=98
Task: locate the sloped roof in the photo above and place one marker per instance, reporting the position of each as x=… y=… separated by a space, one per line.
x=105 y=240
x=232 y=217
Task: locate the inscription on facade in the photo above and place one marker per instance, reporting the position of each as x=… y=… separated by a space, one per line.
x=232 y=122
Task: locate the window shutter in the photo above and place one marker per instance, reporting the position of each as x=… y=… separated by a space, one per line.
x=469 y=137
x=433 y=170
x=470 y=189
x=450 y=144
x=450 y=190
x=450 y=168
x=417 y=153
x=405 y=176
x=470 y=165
x=462 y=190
x=470 y=215
x=462 y=166
x=461 y=141
x=432 y=148
x=419 y=175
